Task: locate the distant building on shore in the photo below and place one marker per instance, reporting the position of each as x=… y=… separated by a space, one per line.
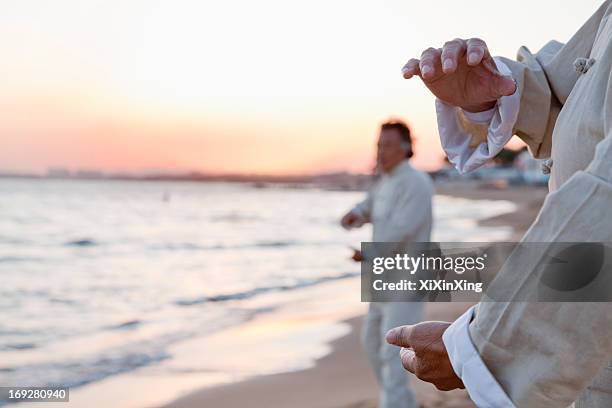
x=58 y=172
x=509 y=167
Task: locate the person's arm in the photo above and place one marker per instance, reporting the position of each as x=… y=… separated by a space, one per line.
x=544 y=81
x=475 y=347
x=470 y=139
x=358 y=215
x=539 y=355
x=544 y=354
x=528 y=354
x=364 y=208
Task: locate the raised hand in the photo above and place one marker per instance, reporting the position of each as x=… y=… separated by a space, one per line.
x=462 y=73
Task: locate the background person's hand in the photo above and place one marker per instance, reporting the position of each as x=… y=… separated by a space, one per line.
x=351 y=220
x=357 y=255
x=462 y=73
x=423 y=353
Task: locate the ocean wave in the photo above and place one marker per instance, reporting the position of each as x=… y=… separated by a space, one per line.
x=189 y=246
x=130 y=324
x=84 y=242
x=62 y=301
x=275 y=244
x=14 y=259
x=18 y=346
x=234 y=218
x=76 y=373
x=260 y=290
x=113 y=361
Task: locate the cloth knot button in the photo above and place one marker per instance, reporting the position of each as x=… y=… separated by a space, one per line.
x=546 y=166
x=582 y=65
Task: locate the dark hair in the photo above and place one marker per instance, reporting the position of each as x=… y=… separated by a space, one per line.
x=403 y=130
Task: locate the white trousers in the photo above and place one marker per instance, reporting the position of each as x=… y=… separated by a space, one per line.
x=384 y=358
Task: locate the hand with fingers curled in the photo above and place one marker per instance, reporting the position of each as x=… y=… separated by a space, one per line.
x=461 y=73
x=423 y=353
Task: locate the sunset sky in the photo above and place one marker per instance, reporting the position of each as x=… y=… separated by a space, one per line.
x=234 y=86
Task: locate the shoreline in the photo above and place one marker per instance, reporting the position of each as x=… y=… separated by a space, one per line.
x=528 y=199
x=298 y=387
x=342 y=378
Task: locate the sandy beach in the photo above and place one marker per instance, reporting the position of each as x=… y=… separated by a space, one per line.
x=342 y=378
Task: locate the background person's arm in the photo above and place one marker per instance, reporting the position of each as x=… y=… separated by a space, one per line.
x=358 y=215
x=364 y=208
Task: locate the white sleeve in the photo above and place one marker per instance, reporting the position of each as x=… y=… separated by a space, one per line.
x=363 y=210
x=456 y=140
x=484 y=390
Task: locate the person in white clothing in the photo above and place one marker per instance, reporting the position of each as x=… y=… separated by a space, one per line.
x=399 y=208
x=559 y=102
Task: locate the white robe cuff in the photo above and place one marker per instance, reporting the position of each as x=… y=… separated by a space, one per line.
x=455 y=140
x=484 y=390
x=483 y=117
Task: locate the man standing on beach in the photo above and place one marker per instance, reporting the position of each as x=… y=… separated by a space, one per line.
x=559 y=101
x=399 y=208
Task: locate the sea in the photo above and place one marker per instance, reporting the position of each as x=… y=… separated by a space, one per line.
x=108 y=279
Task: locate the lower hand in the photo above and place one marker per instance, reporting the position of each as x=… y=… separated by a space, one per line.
x=357 y=255
x=423 y=353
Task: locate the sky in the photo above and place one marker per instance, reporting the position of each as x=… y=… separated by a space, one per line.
x=235 y=86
